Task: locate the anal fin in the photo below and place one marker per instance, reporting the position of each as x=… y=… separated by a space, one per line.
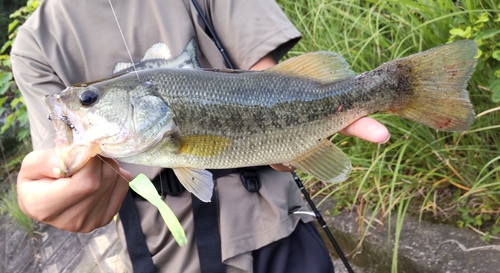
x=327 y=163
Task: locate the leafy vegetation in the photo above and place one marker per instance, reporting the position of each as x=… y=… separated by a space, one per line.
x=6 y=8
x=12 y=106
x=14 y=127
x=449 y=177
x=14 y=130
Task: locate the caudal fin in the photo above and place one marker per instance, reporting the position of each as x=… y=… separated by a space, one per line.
x=438 y=78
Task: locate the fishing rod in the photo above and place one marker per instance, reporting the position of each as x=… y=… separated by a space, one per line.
x=322 y=222
x=212 y=32
x=306 y=195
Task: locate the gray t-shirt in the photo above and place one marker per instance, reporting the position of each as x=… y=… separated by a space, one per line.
x=66 y=42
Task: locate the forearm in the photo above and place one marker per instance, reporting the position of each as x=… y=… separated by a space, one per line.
x=264 y=63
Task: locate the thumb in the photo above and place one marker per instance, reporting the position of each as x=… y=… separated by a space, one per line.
x=40 y=164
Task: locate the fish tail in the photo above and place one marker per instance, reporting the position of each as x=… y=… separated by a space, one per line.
x=434 y=82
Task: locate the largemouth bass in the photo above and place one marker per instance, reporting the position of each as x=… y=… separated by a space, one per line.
x=196 y=119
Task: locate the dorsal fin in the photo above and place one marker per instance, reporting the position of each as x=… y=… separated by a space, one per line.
x=320 y=66
x=157 y=51
x=122 y=66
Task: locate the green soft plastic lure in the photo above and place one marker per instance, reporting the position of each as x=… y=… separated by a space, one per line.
x=145 y=188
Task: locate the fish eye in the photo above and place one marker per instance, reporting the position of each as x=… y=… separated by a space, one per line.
x=88 y=97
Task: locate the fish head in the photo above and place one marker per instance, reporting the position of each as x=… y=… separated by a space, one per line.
x=114 y=118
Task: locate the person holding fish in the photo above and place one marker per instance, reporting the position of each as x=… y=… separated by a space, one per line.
x=65 y=43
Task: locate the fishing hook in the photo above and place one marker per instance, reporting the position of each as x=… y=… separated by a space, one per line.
x=64 y=119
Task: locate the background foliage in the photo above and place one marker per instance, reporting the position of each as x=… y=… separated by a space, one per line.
x=6 y=8
x=12 y=106
x=446 y=177
x=14 y=137
x=14 y=130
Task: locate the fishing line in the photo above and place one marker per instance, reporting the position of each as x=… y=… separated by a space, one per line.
x=131 y=60
x=135 y=70
x=123 y=39
x=128 y=181
x=102 y=159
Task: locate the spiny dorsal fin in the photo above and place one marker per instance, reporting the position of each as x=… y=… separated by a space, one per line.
x=157 y=51
x=321 y=66
x=122 y=66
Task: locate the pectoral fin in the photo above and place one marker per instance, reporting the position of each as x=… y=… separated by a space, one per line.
x=197 y=181
x=326 y=162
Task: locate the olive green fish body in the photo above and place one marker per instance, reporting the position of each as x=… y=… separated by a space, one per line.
x=194 y=119
x=267 y=118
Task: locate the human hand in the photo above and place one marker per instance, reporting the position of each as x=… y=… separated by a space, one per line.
x=81 y=203
x=365 y=128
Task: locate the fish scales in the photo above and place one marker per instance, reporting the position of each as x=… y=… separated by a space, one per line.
x=261 y=129
x=196 y=119
x=227 y=107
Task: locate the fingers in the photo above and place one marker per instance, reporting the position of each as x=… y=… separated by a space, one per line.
x=367 y=129
x=39 y=165
x=87 y=200
x=102 y=188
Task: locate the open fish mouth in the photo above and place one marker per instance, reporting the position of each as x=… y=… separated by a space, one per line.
x=51 y=116
x=71 y=155
x=58 y=115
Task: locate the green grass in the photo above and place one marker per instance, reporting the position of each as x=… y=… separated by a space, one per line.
x=451 y=177
x=11 y=160
x=9 y=206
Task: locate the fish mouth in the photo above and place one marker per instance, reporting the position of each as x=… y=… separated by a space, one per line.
x=58 y=115
x=70 y=154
